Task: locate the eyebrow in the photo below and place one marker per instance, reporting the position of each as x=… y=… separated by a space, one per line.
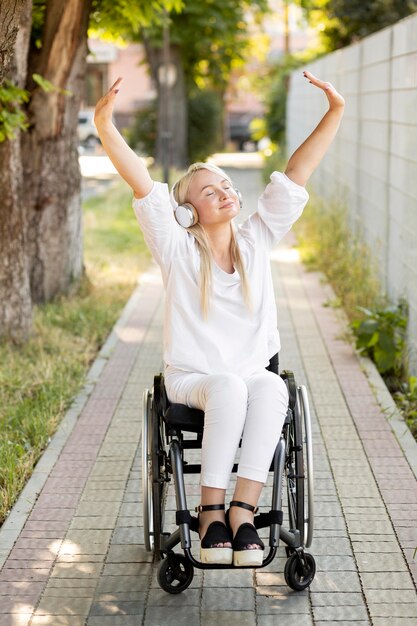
x=211 y=184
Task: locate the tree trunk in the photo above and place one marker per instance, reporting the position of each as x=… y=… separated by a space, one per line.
x=171 y=101
x=52 y=178
x=10 y=12
x=15 y=300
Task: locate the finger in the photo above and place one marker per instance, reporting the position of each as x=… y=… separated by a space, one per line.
x=313 y=79
x=114 y=87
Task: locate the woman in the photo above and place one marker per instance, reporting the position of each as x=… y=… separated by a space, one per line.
x=220 y=318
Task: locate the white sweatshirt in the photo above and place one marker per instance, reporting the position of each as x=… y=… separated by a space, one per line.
x=231 y=339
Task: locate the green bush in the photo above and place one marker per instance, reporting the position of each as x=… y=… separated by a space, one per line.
x=205 y=134
x=142 y=134
x=381 y=335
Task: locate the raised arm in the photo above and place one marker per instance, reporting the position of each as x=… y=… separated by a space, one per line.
x=307 y=156
x=129 y=165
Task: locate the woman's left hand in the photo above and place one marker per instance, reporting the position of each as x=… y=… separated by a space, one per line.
x=335 y=99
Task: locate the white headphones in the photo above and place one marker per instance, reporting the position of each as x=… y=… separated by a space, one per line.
x=186 y=214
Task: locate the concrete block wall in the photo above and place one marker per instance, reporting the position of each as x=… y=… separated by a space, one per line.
x=372 y=164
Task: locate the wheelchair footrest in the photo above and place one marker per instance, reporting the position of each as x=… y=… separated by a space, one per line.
x=263 y=520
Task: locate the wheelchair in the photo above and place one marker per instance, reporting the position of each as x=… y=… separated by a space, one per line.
x=169 y=431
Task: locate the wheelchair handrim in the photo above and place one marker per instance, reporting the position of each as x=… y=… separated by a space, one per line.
x=308 y=443
x=147 y=474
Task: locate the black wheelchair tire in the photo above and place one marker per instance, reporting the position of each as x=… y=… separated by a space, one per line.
x=175 y=567
x=295 y=473
x=299 y=576
x=159 y=484
x=154 y=485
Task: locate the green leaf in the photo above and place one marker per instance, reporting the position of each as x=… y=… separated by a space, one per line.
x=47 y=86
x=385 y=361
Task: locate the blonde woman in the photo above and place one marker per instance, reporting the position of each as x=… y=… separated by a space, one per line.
x=220 y=329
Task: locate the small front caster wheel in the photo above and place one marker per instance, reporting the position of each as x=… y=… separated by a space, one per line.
x=175 y=573
x=299 y=571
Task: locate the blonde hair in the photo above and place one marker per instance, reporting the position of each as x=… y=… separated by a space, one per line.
x=180 y=191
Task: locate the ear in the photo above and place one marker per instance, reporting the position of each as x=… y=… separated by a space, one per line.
x=186 y=215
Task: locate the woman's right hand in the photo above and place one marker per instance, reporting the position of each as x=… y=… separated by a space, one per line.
x=104 y=107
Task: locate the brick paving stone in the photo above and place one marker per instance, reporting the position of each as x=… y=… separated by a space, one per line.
x=342 y=622
x=17 y=604
x=336 y=581
x=381 y=562
x=290 y=620
x=393 y=609
x=340 y=613
x=51 y=605
x=228 y=578
x=59 y=620
x=394 y=621
x=127 y=569
x=128 y=554
x=386 y=580
x=336 y=599
x=9 y=619
x=118 y=607
x=158 y=597
x=228 y=599
x=115 y=584
x=374 y=596
x=165 y=616
x=231 y=618
x=81 y=570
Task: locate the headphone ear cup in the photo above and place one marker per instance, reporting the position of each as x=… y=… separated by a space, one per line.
x=239 y=195
x=186 y=215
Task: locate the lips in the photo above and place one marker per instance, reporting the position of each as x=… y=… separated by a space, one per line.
x=228 y=205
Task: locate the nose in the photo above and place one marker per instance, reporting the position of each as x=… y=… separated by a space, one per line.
x=225 y=193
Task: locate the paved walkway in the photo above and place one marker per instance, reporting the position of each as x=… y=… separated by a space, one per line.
x=71 y=550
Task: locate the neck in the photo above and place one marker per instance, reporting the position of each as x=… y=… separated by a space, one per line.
x=220 y=239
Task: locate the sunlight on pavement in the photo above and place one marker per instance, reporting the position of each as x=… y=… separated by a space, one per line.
x=285 y=255
x=243 y=160
x=96 y=167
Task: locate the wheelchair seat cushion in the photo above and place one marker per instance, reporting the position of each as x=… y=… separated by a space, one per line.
x=181 y=416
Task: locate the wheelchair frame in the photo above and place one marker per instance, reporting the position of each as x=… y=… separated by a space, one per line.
x=163 y=446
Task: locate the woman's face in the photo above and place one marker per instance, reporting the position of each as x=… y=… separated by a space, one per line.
x=214 y=197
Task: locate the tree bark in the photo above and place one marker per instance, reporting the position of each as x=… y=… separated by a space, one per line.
x=10 y=12
x=15 y=300
x=177 y=107
x=52 y=178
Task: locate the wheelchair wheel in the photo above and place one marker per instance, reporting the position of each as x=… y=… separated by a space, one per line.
x=175 y=573
x=294 y=469
x=299 y=571
x=153 y=475
x=308 y=466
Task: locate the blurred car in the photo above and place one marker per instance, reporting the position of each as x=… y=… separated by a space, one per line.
x=240 y=133
x=87 y=132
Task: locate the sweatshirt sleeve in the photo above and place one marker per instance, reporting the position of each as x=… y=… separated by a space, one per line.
x=161 y=231
x=279 y=207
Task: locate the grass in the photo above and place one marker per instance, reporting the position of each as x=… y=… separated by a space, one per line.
x=39 y=380
x=326 y=244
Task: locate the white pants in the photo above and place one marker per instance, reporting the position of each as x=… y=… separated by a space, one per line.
x=255 y=406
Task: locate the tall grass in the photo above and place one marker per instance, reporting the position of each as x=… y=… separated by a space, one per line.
x=39 y=380
x=327 y=244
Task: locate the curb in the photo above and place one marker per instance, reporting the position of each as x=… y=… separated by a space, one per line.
x=391 y=412
x=22 y=508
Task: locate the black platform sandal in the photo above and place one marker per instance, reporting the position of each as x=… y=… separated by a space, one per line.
x=246 y=535
x=217 y=532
